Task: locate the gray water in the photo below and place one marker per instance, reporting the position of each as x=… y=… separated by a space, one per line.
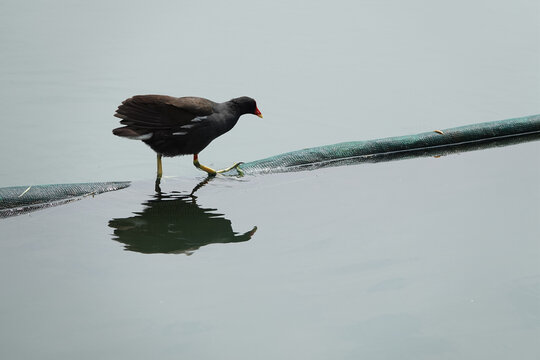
x=428 y=258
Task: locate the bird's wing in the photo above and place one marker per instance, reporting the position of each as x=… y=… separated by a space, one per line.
x=160 y=112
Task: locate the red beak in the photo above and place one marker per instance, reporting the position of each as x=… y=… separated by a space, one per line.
x=258 y=112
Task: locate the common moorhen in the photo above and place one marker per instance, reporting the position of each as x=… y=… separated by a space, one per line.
x=174 y=126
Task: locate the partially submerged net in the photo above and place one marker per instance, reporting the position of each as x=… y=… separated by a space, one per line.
x=496 y=133
x=16 y=200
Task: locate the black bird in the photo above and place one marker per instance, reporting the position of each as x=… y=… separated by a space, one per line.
x=174 y=126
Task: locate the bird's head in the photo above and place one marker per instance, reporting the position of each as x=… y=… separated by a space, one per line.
x=247 y=105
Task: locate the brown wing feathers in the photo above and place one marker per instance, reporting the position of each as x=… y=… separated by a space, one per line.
x=150 y=112
x=143 y=114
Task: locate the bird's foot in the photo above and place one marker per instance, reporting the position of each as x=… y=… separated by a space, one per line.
x=212 y=172
x=235 y=166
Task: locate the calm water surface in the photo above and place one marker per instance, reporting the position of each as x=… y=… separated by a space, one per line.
x=418 y=259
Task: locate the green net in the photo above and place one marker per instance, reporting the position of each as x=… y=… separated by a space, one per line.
x=496 y=133
x=16 y=200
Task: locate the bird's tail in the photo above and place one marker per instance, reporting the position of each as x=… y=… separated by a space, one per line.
x=129 y=133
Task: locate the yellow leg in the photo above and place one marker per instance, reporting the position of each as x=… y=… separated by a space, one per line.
x=211 y=171
x=159 y=167
x=198 y=165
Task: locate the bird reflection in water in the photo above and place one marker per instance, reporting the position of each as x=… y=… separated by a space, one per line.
x=174 y=224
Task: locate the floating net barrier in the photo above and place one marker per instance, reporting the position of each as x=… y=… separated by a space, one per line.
x=434 y=143
x=16 y=200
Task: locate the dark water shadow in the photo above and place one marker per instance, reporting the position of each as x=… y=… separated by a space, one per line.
x=205 y=181
x=174 y=224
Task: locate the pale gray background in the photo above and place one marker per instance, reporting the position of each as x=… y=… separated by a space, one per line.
x=419 y=259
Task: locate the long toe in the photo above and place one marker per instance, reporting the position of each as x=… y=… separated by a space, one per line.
x=235 y=166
